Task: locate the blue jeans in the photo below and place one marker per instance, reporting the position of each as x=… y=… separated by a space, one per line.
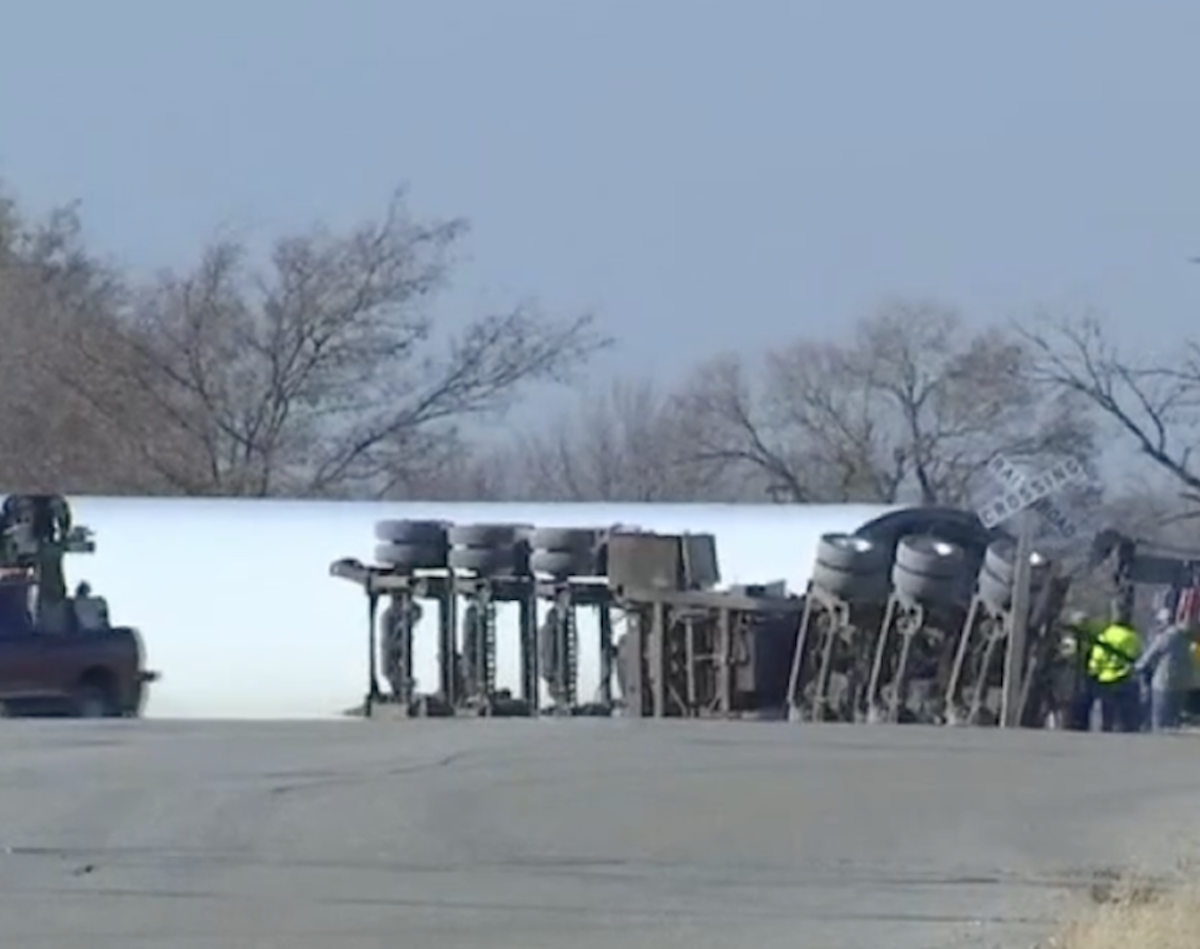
x=1120 y=706
x=1166 y=706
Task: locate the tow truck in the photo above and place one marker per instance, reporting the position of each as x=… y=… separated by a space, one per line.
x=59 y=655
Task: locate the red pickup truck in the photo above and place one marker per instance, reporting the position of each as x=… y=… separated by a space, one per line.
x=86 y=674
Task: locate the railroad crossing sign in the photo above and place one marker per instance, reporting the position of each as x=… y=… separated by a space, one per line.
x=1023 y=491
x=1024 y=495
x=1011 y=478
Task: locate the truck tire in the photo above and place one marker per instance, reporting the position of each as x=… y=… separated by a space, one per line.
x=412 y=533
x=862 y=587
x=851 y=554
x=487 y=561
x=564 y=539
x=563 y=563
x=93 y=700
x=953 y=524
x=997 y=592
x=1001 y=557
x=927 y=556
x=926 y=587
x=488 y=535
x=411 y=556
x=993 y=591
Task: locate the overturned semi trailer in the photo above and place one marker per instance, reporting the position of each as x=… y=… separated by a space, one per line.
x=674 y=644
x=464 y=572
x=689 y=650
x=907 y=620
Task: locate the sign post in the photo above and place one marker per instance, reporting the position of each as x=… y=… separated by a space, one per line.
x=1018 y=633
x=1024 y=498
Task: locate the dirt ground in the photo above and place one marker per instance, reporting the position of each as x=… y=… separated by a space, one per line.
x=1135 y=916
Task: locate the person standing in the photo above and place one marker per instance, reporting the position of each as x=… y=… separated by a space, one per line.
x=1166 y=666
x=1077 y=682
x=91 y=612
x=1110 y=668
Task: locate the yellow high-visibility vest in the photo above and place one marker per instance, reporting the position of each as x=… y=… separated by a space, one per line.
x=1113 y=654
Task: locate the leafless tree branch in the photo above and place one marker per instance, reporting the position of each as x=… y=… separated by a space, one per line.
x=627 y=442
x=326 y=371
x=1156 y=407
x=51 y=436
x=910 y=409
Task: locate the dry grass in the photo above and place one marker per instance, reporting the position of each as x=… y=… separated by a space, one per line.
x=1128 y=914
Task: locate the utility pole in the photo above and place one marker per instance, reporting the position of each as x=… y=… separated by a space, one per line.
x=1018 y=632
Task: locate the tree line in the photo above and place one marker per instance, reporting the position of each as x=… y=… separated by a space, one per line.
x=326 y=367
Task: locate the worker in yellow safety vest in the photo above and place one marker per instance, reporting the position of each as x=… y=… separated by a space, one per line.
x=1080 y=632
x=1111 y=678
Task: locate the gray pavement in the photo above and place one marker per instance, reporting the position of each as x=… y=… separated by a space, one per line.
x=181 y=835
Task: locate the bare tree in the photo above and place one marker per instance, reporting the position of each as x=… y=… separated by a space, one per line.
x=627 y=442
x=910 y=409
x=458 y=467
x=324 y=371
x=1156 y=407
x=50 y=437
x=734 y=423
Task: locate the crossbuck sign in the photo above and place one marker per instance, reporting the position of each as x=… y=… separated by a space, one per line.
x=1022 y=491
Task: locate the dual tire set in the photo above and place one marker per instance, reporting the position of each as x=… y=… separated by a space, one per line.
x=998 y=572
x=925 y=569
x=488 y=550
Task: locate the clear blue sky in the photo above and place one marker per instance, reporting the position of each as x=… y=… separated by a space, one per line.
x=729 y=172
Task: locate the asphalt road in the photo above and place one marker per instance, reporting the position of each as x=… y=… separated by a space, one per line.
x=181 y=835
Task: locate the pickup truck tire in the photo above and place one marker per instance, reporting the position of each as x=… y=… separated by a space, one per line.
x=92 y=700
